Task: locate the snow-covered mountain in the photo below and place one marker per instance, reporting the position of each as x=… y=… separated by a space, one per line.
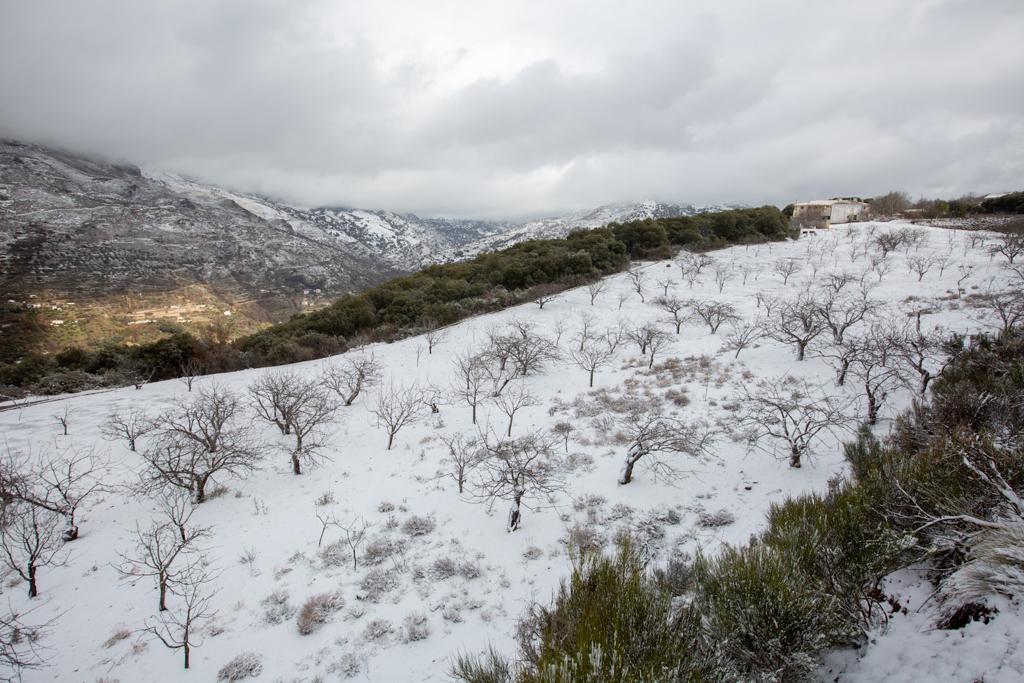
x=560 y=226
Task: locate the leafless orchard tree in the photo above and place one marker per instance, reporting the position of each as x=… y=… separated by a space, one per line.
x=797 y=322
x=787 y=268
x=188 y=372
x=638 y=278
x=545 y=294
x=525 y=472
x=622 y=298
x=434 y=335
x=512 y=401
x=464 y=455
x=746 y=270
x=641 y=336
x=724 y=273
x=743 y=334
x=923 y=356
x=130 y=426
x=470 y=379
x=273 y=396
x=352 y=376
x=921 y=265
x=653 y=435
x=873 y=368
x=528 y=350
x=201 y=439
x=943 y=261
x=702 y=261
x=310 y=414
x=596 y=289
x=786 y=417
x=666 y=284
x=713 y=313
x=614 y=335
x=836 y=283
x=658 y=341
x=1006 y=306
x=591 y=358
x=840 y=354
x=20 y=646
x=677 y=309
x=1009 y=244
x=63 y=418
x=178 y=629
x=881 y=265
x=586 y=331
x=177 y=507
x=31 y=537
x=840 y=313
x=354 y=534
x=397 y=407
x=563 y=430
x=162 y=555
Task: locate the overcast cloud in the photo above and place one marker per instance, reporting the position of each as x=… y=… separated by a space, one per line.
x=509 y=109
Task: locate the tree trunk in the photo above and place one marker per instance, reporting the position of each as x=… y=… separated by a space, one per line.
x=515 y=514
x=509 y=433
x=632 y=456
x=872 y=408
x=33 y=589
x=592 y=378
x=794 y=457
x=801 y=347
x=474 y=412
x=391 y=439
x=296 y=465
x=844 y=366
x=187 y=649
x=201 y=489
x=163 y=594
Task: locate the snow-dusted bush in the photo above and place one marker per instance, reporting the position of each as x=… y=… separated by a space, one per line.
x=245 y=665
x=469 y=569
x=377 y=582
x=712 y=520
x=533 y=553
x=377 y=629
x=381 y=548
x=415 y=627
x=347 y=666
x=276 y=607
x=418 y=526
x=995 y=565
x=443 y=568
x=317 y=610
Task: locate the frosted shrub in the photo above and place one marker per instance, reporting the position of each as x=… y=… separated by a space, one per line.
x=415 y=627
x=245 y=665
x=533 y=553
x=443 y=568
x=317 y=610
x=336 y=554
x=712 y=520
x=995 y=565
x=347 y=666
x=470 y=570
x=276 y=608
x=377 y=629
x=418 y=526
x=377 y=582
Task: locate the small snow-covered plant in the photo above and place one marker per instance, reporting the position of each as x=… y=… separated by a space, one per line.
x=379 y=549
x=533 y=553
x=348 y=665
x=443 y=568
x=995 y=565
x=712 y=520
x=415 y=627
x=418 y=526
x=470 y=570
x=377 y=629
x=317 y=610
x=377 y=582
x=276 y=607
x=245 y=665
x=385 y=507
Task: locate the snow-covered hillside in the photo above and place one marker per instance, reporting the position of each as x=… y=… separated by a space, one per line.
x=438 y=573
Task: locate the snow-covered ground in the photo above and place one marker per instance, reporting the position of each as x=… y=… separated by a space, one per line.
x=265 y=532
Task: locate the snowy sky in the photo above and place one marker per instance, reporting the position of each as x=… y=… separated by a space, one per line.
x=514 y=109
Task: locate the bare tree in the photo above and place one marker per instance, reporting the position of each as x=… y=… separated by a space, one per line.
x=353 y=375
x=701 y=261
x=273 y=396
x=873 y=369
x=657 y=341
x=203 y=438
x=1006 y=306
x=64 y=417
x=622 y=298
x=666 y=284
x=840 y=313
x=1009 y=243
x=434 y=335
x=20 y=648
x=545 y=294
x=921 y=265
x=177 y=507
x=130 y=426
x=354 y=535
x=520 y=471
x=881 y=265
x=513 y=400
x=563 y=430
x=188 y=371
x=586 y=331
x=723 y=274
x=743 y=334
x=161 y=554
x=713 y=313
x=746 y=270
x=786 y=268
x=596 y=289
x=30 y=538
x=397 y=407
x=652 y=435
x=614 y=335
x=464 y=456
x=965 y=270
x=314 y=409
x=797 y=322
x=676 y=308
x=923 y=355
x=841 y=354
x=178 y=629
x=470 y=379
x=638 y=278
x=641 y=336
x=591 y=358
x=785 y=415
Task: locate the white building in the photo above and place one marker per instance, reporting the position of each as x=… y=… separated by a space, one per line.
x=824 y=213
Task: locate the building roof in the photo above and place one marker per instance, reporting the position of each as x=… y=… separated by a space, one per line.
x=827 y=202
